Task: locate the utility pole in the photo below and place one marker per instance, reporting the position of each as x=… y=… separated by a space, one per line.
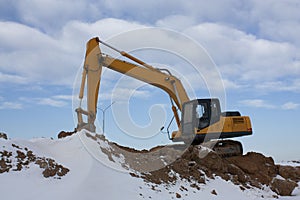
x=103 y=114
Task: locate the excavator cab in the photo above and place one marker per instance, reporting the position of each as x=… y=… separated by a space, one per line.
x=202 y=119
x=199 y=114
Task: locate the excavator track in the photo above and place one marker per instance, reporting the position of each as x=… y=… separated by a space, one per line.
x=228 y=148
x=224 y=148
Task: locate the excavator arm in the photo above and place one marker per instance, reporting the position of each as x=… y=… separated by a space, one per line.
x=91 y=76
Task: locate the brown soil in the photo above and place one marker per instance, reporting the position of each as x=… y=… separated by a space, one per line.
x=51 y=168
x=3 y=135
x=250 y=170
x=64 y=134
x=167 y=165
x=289 y=172
x=21 y=158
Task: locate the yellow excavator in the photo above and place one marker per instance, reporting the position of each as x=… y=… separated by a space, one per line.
x=201 y=119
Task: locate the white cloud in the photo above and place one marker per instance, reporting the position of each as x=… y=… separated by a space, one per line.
x=63 y=97
x=47 y=59
x=290 y=106
x=285 y=86
x=51 y=15
x=277 y=20
x=244 y=39
x=51 y=102
x=40 y=59
x=257 y=103
x=121 y=94
x=228 y=84
x=260 y=103
x=241 y=56
x=8 y=78
x=176 y=22
x=54 y=101
x=261 y=17
x=10 y=105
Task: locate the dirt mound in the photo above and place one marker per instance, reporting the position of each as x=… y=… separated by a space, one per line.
x=167 y=165
x=138 y=160
x=3 y=135
x=257 y=167
x=20 y=158
x=250 y=170
x=289 y=172
x=64 y=134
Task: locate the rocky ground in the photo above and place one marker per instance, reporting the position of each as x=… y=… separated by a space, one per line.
x=21 y=158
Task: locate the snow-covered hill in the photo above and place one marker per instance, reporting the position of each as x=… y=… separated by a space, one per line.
x=95 y=171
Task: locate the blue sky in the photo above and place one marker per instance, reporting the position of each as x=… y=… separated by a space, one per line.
x=254 y=44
